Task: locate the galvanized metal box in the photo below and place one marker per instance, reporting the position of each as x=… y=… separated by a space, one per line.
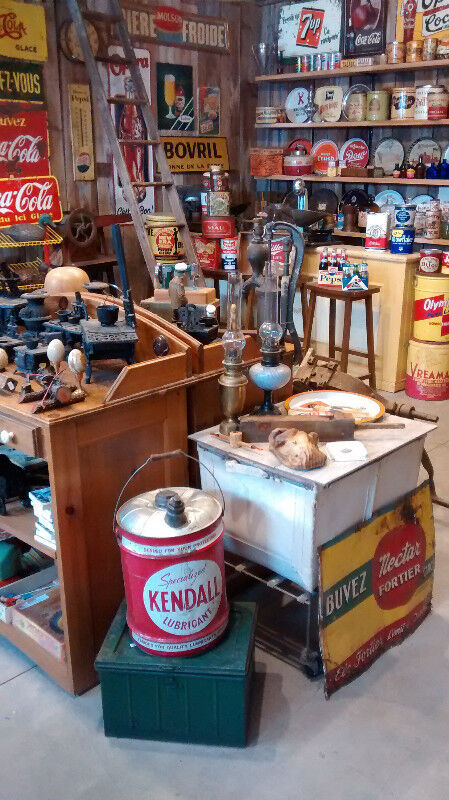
x=202 y=699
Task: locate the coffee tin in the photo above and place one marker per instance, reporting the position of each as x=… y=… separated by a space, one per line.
x=378 y=104
x=163 y=234
x=430 y=260
x=395 y=52
x=403 y=102
x=429 y=48
x=402 y=240
x=218 y=227
x=413 y=51
x=437 y=102
x=404 y=215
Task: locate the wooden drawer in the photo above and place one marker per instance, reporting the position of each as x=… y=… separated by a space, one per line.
x=21 y=436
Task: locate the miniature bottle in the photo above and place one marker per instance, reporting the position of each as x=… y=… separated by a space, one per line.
x=444 y=170
x=432 y=172
x=397 y=171
x=410 y=172
x=403 y=172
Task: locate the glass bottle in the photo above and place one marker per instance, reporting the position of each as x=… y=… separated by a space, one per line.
x=233 y=339
x=444 y=170
x=432 y=172
x=397 y=171
x=420 y=169
x=403 y=172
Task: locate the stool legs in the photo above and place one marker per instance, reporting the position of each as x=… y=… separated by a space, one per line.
x=370 y=341
x=332 y=315
x=346 y=335
x=303 y=295
x=309 y=322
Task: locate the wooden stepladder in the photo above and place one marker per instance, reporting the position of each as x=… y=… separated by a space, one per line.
x=115 y=18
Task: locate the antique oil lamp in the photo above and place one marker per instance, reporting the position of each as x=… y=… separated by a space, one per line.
x=271 y=373
x=233 y=381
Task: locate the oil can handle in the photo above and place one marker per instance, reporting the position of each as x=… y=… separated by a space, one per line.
x=161 y=457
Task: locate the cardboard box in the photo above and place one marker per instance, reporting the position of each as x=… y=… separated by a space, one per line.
x=265 y=161
x=28 y=584
x=35 y=617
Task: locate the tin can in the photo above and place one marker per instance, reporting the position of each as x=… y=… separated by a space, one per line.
x=378 y=105
x=357 y=107
x=219 y=179
x=445 y=263
x=433 y=224
x=427 y=375
x=443 y=47
x=430 y=260
x=334 y=60
x=325 y=61
x=306 y=63
x=376 y=230
x=413 y=51
x=420 y=221
x=437 y=102
x=218 y=204
x=205 y=182
x=229 y=253
x=403 y=102
x=204 y=206
x=401 y=240
x=421 y=107
x=431 y=309
x=218 y=227
x=429 y=48
x=316 y=62
x=164 y=237
x=171 y=545
x=395 y=52
x=404 y=215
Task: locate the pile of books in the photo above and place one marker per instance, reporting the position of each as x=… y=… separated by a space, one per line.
x=44 y=528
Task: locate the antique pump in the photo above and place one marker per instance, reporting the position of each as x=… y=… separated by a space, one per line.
x=233 y=381
x=276 y=314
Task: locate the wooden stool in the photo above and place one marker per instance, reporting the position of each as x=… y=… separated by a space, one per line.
x=334 y=293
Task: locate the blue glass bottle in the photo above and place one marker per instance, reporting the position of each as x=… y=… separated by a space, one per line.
x=444 y=170
x=432 y=172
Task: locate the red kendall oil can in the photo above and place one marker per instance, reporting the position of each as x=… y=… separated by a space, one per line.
x=171 y=543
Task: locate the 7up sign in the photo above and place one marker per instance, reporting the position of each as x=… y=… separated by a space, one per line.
x=310 y=26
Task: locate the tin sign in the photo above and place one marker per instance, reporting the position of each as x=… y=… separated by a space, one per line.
x=376 y=584
x=26 y=199
x=160 y=24
x=417 y=19
x=81 y=128
x=23 y=33
x=23 y=143
x=309 y=27
x=364 y=28
x=195 y=153
x=21 y=82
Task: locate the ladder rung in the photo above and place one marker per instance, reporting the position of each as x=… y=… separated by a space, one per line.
x=126 y=101
x=99 y=16
x=114 y=59
x=138 y=141
x=152 y=183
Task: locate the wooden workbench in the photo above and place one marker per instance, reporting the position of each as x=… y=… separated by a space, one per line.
x=393 y=310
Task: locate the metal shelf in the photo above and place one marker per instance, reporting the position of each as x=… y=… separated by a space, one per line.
x=51 y=237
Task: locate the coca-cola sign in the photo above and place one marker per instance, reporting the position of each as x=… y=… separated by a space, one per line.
x=23 y=143
x=364 y=29
x=27 y=199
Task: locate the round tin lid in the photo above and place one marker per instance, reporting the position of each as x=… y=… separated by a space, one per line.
x=387 y=154
x=146 y=514
x=355 y=152
x=295 y=104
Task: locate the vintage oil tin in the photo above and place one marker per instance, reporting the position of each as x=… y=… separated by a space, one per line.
x=378 y=104
x=430 y=260
x=427 y=370
x=401 y=240
x=421 y=107
x=218 y=227
x=171 y=543
x=403 y=102
x=164 y=237
x=431 y=313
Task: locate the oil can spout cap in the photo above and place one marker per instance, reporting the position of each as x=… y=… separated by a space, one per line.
x=162 y=497
x=175 y=516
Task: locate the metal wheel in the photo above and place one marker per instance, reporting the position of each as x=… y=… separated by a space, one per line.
x=80 y=228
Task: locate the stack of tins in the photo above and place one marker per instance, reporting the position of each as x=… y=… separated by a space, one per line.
x=171 y=544
x=216 y=222
x=428 y=354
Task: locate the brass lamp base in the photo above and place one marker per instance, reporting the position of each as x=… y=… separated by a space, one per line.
x=232 y=395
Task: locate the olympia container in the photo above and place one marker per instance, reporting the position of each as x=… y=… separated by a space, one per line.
x=205 y=699
x=171 y=543
x=427 y=370
x=164 y=237
x=431 y=312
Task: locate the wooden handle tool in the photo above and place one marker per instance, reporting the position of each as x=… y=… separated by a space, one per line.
x=258 y=428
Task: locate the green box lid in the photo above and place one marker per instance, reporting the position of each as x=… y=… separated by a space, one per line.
x=230 y=656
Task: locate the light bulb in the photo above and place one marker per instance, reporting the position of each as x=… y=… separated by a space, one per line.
x=270 y=335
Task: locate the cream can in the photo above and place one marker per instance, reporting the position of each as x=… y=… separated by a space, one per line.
x=421 y=105
x=403 y=102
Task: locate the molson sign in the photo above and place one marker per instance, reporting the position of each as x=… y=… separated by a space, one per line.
x=168 y=25
x=22 y=31
x=26 y=199
x=376 y=585
x=23 y=143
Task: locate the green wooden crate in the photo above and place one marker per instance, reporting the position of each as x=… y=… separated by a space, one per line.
x=203 y=698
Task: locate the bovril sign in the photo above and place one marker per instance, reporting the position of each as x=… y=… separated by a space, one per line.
x=176 y=27
x=195 y=153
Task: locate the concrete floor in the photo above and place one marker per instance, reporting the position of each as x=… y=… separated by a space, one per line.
x=384 y=737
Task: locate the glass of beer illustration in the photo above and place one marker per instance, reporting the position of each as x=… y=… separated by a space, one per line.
x=169 y=94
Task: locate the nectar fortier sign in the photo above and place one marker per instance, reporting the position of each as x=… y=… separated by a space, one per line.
x=171 y=26
x=195 y=153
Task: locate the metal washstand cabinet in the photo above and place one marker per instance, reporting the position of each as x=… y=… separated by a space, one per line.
x=202 y=699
